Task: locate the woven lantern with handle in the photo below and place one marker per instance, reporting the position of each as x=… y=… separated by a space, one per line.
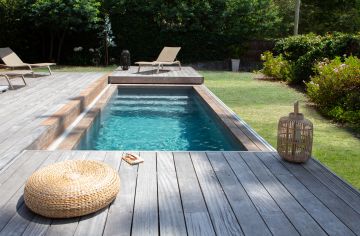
x=295 y=137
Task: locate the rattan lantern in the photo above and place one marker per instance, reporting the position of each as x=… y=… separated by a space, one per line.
x=295 y=137
x=125 y=61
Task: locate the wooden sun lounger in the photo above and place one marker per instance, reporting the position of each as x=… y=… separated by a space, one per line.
x=13 y=74
x=11 y=60
x=166 y=57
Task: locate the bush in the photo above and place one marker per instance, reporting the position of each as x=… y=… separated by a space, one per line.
x=294 y=47
x=336 y=89
x=304 y=51
x=276 y=67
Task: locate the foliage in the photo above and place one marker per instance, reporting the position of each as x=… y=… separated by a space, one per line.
x=336 y=89
x=276 y=67
x=303 y=51
x=321 y=16
x=286 y=13
x=60 y=16
x=106 y=35
x=84 y=56
x=13 y=23
x=65 y=14
x=294 y=47
x=187 y=15
x=256 y=18
x=206 y=29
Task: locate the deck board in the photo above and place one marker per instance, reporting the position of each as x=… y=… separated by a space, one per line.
x=145 y=218
x=197 y=218
x=221 y=213
x=342 y=210
x=193 y=193
x=23 y=217
x=250 y=220
x=332 y=182
x=274 y=217
x=22 y=110
x=319 y=211
x=171 y=215
x=301 y=220
x=147 y=75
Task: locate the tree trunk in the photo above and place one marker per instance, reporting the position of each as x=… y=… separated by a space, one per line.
x=51 y=50
x=106 y=46
x=297 y=16
x=43 y=46
x=61 y=41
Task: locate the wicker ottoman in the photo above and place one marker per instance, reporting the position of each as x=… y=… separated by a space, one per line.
x=71 y=188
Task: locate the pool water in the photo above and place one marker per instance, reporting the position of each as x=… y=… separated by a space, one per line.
x=162 y=119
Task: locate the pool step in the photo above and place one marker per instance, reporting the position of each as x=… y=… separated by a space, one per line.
x=151 y=97
x=151 y=103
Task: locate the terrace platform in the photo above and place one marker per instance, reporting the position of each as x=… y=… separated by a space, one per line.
x=171 y=193
x=148 y=75
x=196 y=193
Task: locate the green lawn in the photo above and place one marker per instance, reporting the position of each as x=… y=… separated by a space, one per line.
x=262 y=103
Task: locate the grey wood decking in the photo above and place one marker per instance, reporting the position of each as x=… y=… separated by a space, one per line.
x=194 y=193
x=22 y=110
x=148 y=75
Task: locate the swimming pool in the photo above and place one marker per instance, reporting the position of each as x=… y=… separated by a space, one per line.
x=161 y=119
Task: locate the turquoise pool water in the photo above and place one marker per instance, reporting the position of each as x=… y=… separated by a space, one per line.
x=169 y=119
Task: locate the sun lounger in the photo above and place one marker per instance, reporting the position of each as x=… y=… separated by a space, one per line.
x=13 y=74
x=12 y=60
x=166 y=57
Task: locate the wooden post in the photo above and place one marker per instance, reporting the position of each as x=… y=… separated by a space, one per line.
x=296 y=107
x=297 y=15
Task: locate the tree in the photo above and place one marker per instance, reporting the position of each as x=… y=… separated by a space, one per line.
x=321 y=16
x=189 y=15
x=59 y=17
x=250 y=19
x=106 y=36
x=11 y=22
x=297 y=15
x=105 y=29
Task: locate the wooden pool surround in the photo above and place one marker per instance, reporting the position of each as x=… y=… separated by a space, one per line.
x=61 y=119
x=241 y=133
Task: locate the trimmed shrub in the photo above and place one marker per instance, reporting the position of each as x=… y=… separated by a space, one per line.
x=294 y=47
x=336 y=89
x=276 y=67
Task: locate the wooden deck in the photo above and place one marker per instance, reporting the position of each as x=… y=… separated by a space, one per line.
x=196 y=193
x=148 y=75
x=22 y=110
x=171 y=193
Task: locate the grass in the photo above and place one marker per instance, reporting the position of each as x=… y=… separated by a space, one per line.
x=262 y=103
x=59 y=68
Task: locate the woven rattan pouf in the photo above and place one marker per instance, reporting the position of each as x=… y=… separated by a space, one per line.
x=71 y=188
